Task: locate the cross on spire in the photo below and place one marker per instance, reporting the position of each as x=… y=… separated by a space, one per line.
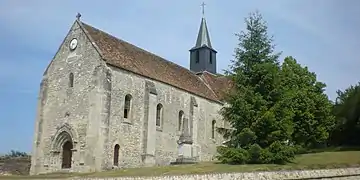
x=203 y=8
x=78 y=16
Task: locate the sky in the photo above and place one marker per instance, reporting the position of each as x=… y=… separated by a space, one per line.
x=323 y=35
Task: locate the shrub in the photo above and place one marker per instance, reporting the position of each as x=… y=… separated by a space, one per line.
x=255 y=154
x=233 y=155
x=281 y=153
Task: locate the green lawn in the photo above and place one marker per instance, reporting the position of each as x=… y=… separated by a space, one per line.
x=334 y=159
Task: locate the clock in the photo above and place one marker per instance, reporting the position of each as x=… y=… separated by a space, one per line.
x=73 y=44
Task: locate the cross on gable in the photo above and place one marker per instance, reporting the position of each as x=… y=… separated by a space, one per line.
x=78 y=16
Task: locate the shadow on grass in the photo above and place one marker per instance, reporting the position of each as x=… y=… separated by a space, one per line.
x=331 y=149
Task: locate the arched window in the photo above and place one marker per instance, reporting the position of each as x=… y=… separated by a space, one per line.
x=127 y=106
x=71 y=80
x=181 y=120
x=213 y=124
x=159 y=108
x=116 y=155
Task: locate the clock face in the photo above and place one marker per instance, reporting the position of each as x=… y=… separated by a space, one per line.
x=73 y=44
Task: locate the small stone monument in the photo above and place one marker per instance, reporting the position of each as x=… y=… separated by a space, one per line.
x=185 y=146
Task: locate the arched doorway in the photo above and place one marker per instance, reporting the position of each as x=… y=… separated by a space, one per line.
x=66 y=155
x=116 y=155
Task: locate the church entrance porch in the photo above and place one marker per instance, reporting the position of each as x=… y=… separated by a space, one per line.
x=66 y=155
x=63 y=156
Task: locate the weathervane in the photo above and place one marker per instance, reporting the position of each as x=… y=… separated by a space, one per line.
x=203 y=8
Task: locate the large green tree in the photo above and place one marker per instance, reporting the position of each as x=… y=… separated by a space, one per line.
x=347 y=112
x=255 y=109
x=313 y=119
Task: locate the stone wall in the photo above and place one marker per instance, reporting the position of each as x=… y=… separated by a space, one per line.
x=143 y=144
x=69 y=107
x=333 y=174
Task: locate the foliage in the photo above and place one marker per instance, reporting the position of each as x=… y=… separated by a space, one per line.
x=312 y=116
x=14 y=153
x=347 y=112
x=233 y=155
x=275 y=110
x=255 y=111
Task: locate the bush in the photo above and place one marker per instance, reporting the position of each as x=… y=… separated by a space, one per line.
x=281 y=153
x=276 y=153
x=255 y=152
x=232 y=155
x=266 y=156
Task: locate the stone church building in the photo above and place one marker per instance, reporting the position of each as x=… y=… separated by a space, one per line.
x=105 y=103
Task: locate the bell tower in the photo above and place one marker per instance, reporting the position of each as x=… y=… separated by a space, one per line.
x=202 y=55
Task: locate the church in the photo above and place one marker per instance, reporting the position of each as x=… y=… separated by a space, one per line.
x=105 y=103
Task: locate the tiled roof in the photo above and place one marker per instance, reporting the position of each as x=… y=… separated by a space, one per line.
x=218 y=83
x=126 y=56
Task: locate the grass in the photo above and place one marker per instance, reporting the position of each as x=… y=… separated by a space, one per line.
x=317 y=160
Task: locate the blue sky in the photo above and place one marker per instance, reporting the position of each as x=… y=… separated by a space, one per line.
x=322 y=34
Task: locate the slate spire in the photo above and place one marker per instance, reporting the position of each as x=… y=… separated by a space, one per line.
x=203 y=38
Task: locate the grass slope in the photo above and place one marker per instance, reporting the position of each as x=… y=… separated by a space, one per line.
x=15 y=165
x=334 y=159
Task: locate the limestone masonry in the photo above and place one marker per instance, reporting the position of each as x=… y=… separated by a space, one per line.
x=324 y=174
x=105 y=103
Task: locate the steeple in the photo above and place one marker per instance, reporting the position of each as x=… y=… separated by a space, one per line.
x=203 y=38
x=202 y=55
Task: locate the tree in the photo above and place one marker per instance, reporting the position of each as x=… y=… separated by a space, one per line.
x=347 y=112
x=14 y=153
x=259 y=117
x=313 y=119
